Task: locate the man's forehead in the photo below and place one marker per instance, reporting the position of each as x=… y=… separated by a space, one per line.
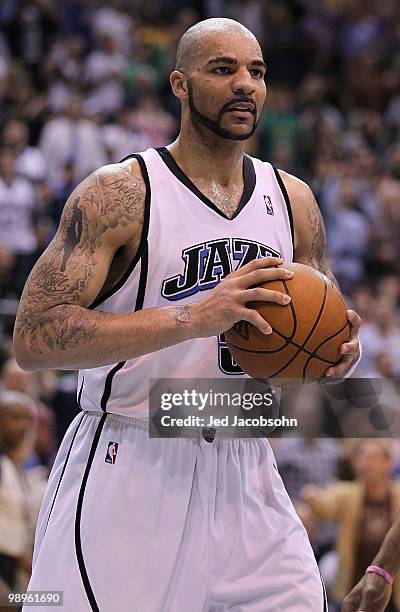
x=227 y=41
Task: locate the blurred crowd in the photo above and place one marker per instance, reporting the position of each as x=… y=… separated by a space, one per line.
x=86 y=82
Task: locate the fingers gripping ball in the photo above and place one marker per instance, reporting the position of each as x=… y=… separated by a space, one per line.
x=306 y=334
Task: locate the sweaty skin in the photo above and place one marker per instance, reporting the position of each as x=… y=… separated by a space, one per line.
x=101 y=226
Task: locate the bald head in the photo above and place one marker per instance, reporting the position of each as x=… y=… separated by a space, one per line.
x=195 y=39
x=219 y=63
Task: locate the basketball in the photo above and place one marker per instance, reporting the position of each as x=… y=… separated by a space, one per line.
x=306 y=334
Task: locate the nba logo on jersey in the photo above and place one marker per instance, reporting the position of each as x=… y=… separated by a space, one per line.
x=112 y=451
x=268 y=204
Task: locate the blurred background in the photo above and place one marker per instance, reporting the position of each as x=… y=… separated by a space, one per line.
x=86 y=82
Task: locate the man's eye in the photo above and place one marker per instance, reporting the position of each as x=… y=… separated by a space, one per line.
x=222 y=70
x=257 y=73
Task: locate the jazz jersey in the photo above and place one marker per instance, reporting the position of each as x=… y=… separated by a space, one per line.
x=188 y=246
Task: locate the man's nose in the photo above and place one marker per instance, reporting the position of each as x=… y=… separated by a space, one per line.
x=243 y=82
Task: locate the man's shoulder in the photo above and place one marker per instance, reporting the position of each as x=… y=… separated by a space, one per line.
x=297 y=188
x=114 y=195
x=124 y=179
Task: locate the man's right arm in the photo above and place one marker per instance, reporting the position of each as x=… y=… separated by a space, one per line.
x=56 y=329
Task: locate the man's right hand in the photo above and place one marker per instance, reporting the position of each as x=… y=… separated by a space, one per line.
x=371 y=594
x=227 y=303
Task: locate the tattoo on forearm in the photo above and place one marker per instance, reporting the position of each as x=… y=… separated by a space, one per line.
x=104 y=202
x=182 y=313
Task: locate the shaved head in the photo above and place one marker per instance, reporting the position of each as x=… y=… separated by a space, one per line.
x=193 y=40
x=219 y=64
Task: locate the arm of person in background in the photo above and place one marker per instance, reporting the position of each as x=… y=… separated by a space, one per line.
x=327 y=503
x=372 y=593
x=55 y=327
x=310 y=249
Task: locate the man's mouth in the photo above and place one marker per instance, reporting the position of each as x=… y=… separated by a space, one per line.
x=242 y=107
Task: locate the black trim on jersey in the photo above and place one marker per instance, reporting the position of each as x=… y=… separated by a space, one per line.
x=80 y=394
x=108 y=385
x=143 y=240
x=63 y=471
x=249 y=181
x=143 y=279
x=288 y=205
x=324 y=595
x=138 y=306
x=78 y=516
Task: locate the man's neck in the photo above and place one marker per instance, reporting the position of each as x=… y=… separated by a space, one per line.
x=218 y=159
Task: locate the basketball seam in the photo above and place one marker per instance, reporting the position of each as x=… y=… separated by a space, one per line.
x=289 y=340
x=316 y=356
x=302 y=348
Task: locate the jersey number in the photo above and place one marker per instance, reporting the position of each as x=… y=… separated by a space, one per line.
x=226 y=362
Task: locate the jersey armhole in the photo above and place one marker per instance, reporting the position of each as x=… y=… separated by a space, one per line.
x=287 y=202
x=143 y=240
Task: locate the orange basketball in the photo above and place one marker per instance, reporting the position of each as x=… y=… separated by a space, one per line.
x=307 y=333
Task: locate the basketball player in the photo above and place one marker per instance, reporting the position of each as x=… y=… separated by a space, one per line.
x=154 y=258
x=373 y=592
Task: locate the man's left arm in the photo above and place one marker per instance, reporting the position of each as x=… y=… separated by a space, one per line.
x=310 y=249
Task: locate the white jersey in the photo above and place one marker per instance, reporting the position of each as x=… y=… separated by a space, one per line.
x=188 y=246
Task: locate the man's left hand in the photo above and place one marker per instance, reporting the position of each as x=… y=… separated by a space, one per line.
x=350 y=350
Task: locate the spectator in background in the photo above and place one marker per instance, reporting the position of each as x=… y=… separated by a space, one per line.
x=59 y=194
x=17 y=207
x=384 y=244
x=104 y=68
x=346 y=252
x=63 y=70
x=21 y=491
x=364 y=510
x=40 y=387
x=279 y=126
x=155 y=124
x=71 y=139
x=380 y=336
x=308 y=457
x=363 y=301
x=140 y=71
x=121 y=137
x=388 y=290
x=23 y=100
x=7 y=265
x=115 y=20
x=30 y=162
x=13 y=378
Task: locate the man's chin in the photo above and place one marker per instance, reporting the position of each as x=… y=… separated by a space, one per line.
x=233 y=136
x=236 y=135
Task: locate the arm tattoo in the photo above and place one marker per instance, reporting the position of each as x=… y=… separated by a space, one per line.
x=318 y=247
x=74 y=233
x=182 y=313
x=108 y=200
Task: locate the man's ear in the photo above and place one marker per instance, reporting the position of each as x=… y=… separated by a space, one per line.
x=179 y=84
